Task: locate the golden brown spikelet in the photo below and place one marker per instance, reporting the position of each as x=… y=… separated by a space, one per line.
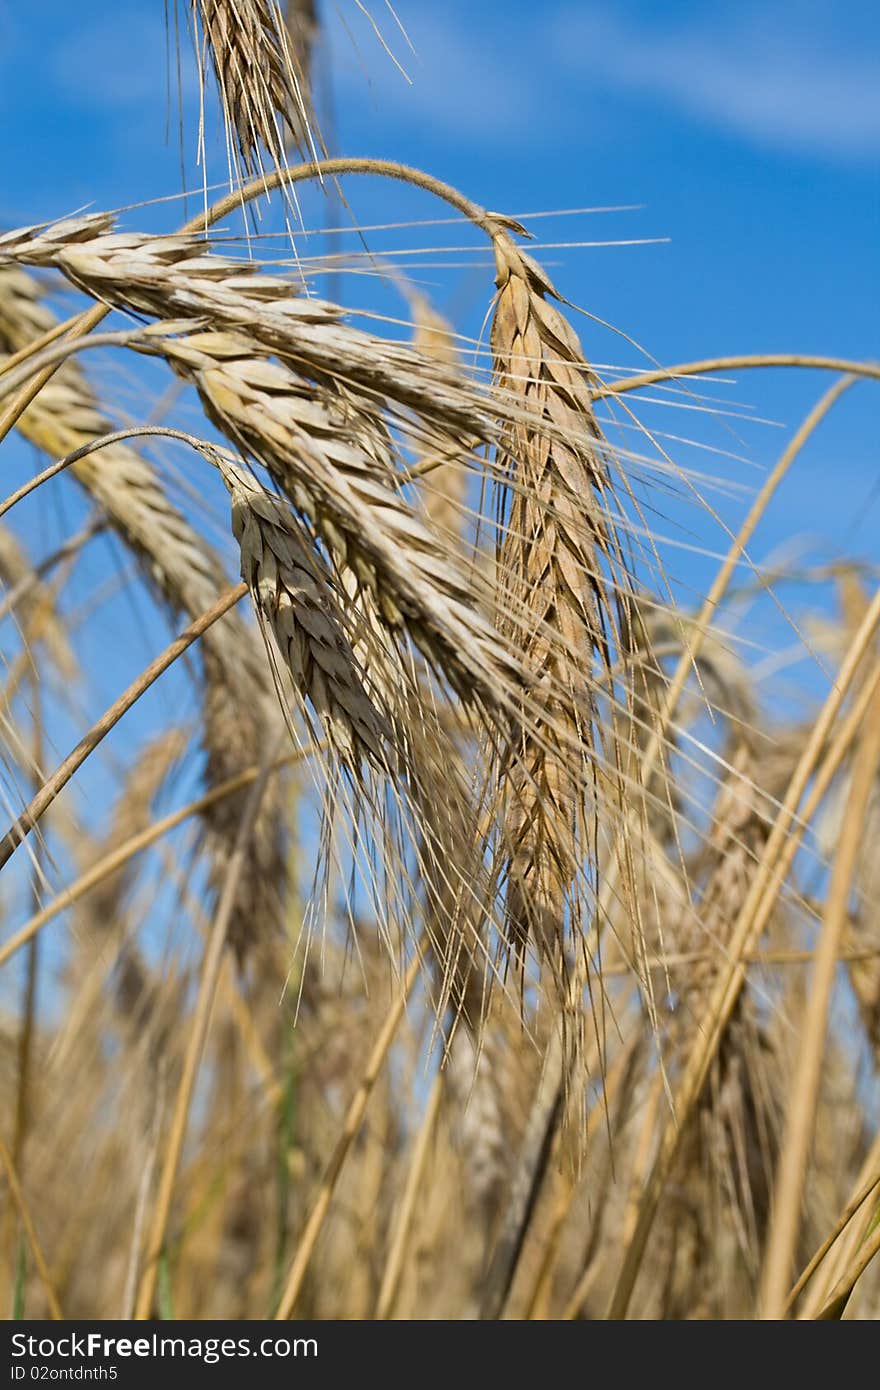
x=296 y=602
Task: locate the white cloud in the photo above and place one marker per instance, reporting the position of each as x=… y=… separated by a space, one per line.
x=783 y=75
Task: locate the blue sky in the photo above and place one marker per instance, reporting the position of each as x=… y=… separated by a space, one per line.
x=748 y=134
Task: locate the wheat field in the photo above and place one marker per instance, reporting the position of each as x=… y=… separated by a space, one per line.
x=417 y=904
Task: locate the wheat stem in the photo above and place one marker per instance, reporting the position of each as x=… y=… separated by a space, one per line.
x=861 y=1195
x=350 y=1127
x=803 y=1097
x=840 y=1294
x=211 y=967
x=43 y=799
x=23 y=1210
x=870 y=370
x=780 y=849
x=103 y=441
x=406 y=1210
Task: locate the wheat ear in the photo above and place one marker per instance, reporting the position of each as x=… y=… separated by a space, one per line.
x=318 y=429
x=294 y=597
x=262 y=72
x=560 y=558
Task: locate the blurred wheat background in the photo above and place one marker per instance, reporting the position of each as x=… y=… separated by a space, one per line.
x=440 y=766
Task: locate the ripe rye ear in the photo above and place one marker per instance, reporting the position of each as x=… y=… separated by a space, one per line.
x=562 y=579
